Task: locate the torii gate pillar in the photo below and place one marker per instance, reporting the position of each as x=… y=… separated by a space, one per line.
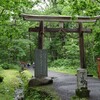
x=40 y=55
x=81 y=46
x=40 y=35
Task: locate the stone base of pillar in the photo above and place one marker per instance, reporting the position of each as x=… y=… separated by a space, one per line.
x=83 y=92
x=82 y=85
x=39 y=81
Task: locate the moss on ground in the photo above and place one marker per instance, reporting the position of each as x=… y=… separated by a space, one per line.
x=11 y=82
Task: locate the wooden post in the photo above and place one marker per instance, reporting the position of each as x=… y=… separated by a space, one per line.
x=30 y=46
x=81 y=46
x=98 y=61
x=40 y=35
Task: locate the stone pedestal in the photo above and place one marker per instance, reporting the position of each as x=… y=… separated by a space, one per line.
x=39 y=82
x=40 y=63
x=40 y=70
x=82 y=89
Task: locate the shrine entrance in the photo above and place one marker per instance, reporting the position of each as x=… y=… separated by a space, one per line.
x=40 y=53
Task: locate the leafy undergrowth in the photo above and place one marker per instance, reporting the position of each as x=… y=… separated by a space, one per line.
x=41 y=93
x=33 y=94
x=70 y=66
x=11 y=83
x=64 y=66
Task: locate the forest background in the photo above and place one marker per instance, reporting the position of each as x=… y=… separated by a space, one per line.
x=17 y=44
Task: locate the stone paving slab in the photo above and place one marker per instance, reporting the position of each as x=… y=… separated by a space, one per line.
x=65 y=85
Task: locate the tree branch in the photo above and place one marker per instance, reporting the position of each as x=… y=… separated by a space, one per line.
x=46 y=3
x=2 y=12
x=98 y=1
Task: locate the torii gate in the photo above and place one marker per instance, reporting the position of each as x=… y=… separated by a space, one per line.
x=61 y=19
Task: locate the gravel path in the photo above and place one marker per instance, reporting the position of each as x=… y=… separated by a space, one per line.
x=65 y=85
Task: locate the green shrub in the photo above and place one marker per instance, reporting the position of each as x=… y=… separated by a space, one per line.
x=5 y=66
x=9 y=66
x=58 y=63
x=64 y=62
x=37 y=95
x=1 y=79
x=14 y=66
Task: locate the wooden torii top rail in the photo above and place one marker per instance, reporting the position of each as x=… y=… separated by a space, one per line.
x=49 y=18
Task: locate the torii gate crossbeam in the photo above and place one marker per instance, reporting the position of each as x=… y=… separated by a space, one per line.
x=44 y=18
